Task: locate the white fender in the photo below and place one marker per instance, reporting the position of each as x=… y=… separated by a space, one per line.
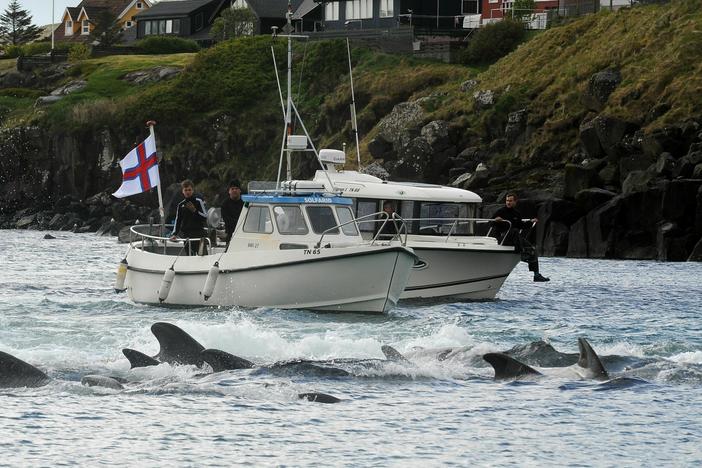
x=211 y=281
x=166 y=283
x=121 y=276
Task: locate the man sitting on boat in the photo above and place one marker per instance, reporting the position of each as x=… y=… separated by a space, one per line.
x=191 y=216
x=389 y=229
x=508 y=221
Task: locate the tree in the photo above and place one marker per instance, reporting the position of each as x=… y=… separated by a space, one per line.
x=106 y=31
x=16 y=26
x=233 y=22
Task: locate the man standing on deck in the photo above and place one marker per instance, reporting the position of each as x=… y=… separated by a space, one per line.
x=509 y=219
x=191 y=216
x=231 y=208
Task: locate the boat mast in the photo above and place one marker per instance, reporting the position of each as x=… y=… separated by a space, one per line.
x=354 y=123
x=288 y=112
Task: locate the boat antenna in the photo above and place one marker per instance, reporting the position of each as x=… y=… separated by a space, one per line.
x=354 y=124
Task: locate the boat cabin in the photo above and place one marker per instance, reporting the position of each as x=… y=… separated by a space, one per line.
x=294 y=222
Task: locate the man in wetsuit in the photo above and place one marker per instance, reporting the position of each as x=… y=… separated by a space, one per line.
x=516 y=231
x=231 y=208
x=191 y=216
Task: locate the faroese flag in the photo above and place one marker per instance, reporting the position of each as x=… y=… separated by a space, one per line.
x=139 y=169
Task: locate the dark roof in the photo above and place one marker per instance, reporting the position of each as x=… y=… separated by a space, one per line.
x=74 y=12
x=94 y=12
x=173 y=8
x=272 y=8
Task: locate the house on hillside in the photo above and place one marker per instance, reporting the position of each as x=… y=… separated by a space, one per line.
x=495 y=10
x=77 y=22
x=272 y=13
x=441 y=15
x=189 y=19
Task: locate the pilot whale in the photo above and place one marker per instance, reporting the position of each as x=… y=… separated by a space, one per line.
x=15 y=372
x=588 y=367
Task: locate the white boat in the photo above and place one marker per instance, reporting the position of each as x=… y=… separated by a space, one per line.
x=453 y=261
x=301 y=251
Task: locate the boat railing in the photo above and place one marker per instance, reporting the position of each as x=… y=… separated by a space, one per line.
x=379 y=217
x=144 y=233
x=453 y=224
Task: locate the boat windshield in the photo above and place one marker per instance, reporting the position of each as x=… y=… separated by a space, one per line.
x=431 y=213
x=258 y=220
x=322 y=219
x=346 y=220
x=290 y=220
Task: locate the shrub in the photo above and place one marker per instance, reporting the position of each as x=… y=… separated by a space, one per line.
x=78 y=52
x=493 y=42
x=21 y=93
x=167 y=45
x=13 y=51
x=36 y=48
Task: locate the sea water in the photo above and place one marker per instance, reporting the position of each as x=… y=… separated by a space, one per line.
x=59 y=312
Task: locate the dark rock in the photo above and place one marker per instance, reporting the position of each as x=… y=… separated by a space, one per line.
x=635 y=162
x=672 y=244
x=697 y=172
x=484 y=99
x=672 y=140
x=48 y=236
x=679 y=201
x=591 y=198
x=600 y=86
x=516 y=125
x=684 y=167
x=696 y=254
x=609 y=175
x=578 y=178
x=555 y=241
x=436 y=133
x=375 y=169
x=379 y=147
x=468 y=85
x=610 y=132
x=665 y=165
x=498 y=145
x=152 y=75
x=25 y=221
x=637 y=181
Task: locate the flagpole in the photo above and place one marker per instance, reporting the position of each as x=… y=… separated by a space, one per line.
x=161 y=211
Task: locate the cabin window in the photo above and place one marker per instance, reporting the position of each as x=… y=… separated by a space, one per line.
x=69 y=28
x=345 y=216
x=331 y=11
x=139 y=5
x=176 y=26
x=128 y=24
x=169 y=26
x=469 y=7
x=322 y=218
x=86 y=27
x=366 y=208
x=289 y=220
x=386 y=9
x=507 y=6
x=437 y=218
x=147 y=28
x=258 y=220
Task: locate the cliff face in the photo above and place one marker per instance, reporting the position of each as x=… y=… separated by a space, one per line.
x=597 y=124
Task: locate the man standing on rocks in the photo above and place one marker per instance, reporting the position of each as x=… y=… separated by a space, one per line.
x=510 y=220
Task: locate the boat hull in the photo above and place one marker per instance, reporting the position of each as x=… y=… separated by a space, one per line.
x=458 y=271
x=316 y=279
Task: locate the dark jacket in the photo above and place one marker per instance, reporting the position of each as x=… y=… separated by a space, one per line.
x=190 y=224
x=231 y=210
x=514 y=217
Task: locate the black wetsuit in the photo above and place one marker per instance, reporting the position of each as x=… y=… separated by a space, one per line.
x=516 y=235
x=231 y=210
x=190 y=224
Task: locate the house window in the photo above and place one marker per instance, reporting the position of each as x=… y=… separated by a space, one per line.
x=139 y=5
x=507 y=6
x=176 y=26
x=386 y=9
x=128 y=24
x=69 y=28
x=86 y=27
x=331 y=11
x=469 y=7
x=147 y=28
x=199 y=21
x=359 y=9
x=169 y=26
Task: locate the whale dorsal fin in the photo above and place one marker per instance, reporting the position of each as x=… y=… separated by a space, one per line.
x=318 y=397
x=591 y=361
x=139 y=359
x=177 y=347
x=17 y=373
x=221 y=360
x=506 y=367
x=391 y=354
